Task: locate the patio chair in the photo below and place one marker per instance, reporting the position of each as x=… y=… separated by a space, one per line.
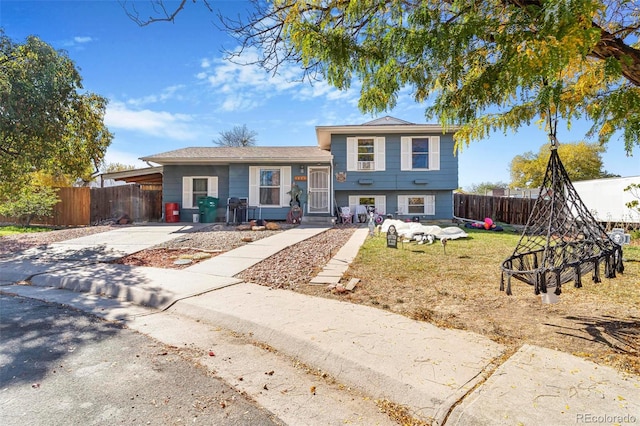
x=345 y=215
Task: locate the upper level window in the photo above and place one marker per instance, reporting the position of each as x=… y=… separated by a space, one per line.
x=420 y=153
x=365 y=154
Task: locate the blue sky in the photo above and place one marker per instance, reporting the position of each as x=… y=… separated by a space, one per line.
x=169 y=87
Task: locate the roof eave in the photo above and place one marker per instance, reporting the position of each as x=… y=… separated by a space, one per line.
x=132 y=173
x=323 y=133
x=223 y=161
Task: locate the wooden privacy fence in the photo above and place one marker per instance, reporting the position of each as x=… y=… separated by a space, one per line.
x=115 y=201
x=514 y=211
x=87 y=206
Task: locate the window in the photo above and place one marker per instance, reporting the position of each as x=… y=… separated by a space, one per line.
x=417 y=205
x=199 y=189
x=269 y=186
x=360 y=203
x=420 y=153
x=196 y=187
x=365 y=154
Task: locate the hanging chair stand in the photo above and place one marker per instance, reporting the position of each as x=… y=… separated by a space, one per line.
x=562 y=241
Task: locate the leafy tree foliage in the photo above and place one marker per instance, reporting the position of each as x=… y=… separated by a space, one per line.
x=42 y=178
x=46 y=124
x=484 y=187
x=238 y=136
x=30 y=202
x=487 y=64
x=581 y=160
x=634 y=190
x=116 y=167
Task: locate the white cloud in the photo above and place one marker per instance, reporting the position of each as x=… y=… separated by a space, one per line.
x=81 y=40
x=168 y=93
x=154 y=123
x=127 y=158
x=248 y=86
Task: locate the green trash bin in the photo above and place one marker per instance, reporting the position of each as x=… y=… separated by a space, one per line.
x=208 y=207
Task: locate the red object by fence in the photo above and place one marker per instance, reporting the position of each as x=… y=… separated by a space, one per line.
x=171 y=212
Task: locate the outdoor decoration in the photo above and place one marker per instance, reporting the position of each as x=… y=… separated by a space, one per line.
x=392 y=237
x=562 y=241
x=487 y=225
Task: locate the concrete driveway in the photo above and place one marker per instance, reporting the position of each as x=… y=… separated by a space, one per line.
x=101 y=247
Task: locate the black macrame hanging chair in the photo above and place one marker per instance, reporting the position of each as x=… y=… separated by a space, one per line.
x=562 y=241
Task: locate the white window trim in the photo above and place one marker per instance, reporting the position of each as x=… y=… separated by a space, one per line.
x=380 y=202
x=379 y=157
x=254 y=186
x=406 y=153
x=429 y=204
x=187 y=189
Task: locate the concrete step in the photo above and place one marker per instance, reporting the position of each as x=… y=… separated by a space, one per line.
x=317 y=219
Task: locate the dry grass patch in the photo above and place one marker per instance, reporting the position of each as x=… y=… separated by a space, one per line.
x=459 y=288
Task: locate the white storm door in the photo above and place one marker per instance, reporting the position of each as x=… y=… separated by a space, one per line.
x=318 y=190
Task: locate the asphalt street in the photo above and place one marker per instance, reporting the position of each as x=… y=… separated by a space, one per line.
x=59 y=366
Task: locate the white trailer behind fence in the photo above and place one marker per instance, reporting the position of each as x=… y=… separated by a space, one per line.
x=606 y=199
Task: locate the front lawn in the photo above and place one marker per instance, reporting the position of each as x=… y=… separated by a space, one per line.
x=13 y=229
x=457 y=286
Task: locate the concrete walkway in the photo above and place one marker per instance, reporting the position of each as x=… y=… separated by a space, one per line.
x=443 y=376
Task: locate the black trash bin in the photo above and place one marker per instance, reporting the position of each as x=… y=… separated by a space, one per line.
x=236 y=210
x=208 y=207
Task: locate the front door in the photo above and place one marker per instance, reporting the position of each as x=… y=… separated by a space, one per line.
x=318 y=190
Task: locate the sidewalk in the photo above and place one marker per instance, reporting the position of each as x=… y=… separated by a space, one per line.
x=444 y=376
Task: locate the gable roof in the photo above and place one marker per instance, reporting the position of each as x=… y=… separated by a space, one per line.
x=245 y=154
x=386 y=121
x=386 y=124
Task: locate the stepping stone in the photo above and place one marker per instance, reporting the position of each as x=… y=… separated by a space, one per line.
x=325 y=280
x=352 y=284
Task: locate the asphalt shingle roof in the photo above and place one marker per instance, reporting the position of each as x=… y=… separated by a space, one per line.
x=240 y=154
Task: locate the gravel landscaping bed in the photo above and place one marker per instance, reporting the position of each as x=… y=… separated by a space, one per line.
x=289 y=268
x=298 y=264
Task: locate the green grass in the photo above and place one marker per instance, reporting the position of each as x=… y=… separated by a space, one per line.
x=13 y=229
x=459 y=288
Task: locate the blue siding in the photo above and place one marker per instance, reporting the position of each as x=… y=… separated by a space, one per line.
x=172 y=186
x=233 y=181
x=444 y=202
x=393 y=178
x=392 y=181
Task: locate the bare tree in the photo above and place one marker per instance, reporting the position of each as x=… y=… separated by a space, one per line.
x=238 y=136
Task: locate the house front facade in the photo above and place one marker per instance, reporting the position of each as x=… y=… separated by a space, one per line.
x=388 y=165
x=398 y=168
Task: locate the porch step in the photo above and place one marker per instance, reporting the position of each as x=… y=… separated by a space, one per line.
x=317 y=219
